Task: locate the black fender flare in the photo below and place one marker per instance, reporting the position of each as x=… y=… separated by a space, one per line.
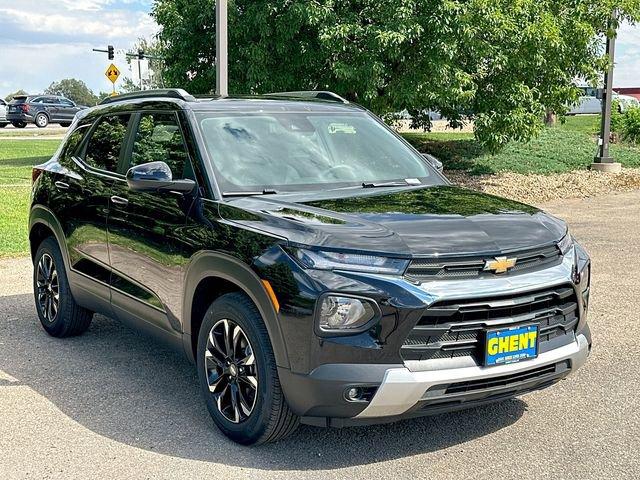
x=215 y=264
x=42 y=215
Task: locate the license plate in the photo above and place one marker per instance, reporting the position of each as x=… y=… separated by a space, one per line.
x=510 y=345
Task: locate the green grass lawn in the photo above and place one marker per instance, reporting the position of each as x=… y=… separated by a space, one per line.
x=16 y=159
x=570 y=145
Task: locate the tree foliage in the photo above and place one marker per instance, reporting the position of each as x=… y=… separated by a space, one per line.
x=75 y=90
x=503 y=63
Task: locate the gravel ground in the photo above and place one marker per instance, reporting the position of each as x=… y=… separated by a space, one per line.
x=113 y=404
x=535 y=188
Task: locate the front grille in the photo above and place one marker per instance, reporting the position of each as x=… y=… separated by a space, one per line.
x=473 y=267
x=456 y=328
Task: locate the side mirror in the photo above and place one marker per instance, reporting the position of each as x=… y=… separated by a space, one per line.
x=155 y=177
x=435 y=163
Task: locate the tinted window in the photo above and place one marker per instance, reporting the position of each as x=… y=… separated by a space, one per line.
x=66 y=103
x=73 y=142
x=52 y=100
x=159 y=138
x=37 y=100
x=103 y=149
x=298 y=151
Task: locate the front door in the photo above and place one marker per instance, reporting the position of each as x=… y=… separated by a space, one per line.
x=146 y=247
x=66 y=111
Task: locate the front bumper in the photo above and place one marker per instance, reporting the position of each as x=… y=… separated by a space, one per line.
x=402 y=389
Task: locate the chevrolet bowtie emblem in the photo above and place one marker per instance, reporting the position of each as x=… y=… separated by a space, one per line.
x=500 y=264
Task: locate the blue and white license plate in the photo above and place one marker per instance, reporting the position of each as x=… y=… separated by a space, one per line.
x=510 y=345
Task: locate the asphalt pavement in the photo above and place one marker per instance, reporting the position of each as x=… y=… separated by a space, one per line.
x=113 y=404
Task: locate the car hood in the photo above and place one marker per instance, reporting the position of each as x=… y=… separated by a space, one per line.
x=439 y=220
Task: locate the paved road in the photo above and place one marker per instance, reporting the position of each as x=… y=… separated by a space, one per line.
x=112 y=404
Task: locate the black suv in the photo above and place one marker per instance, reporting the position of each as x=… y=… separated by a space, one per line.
x=41 y=110
x=312 y=264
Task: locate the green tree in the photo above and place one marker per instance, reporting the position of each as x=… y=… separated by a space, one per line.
x=10 y=97
x=503 y=63
x=75 y=90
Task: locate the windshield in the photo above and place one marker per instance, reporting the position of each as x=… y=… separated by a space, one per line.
x=300 y=151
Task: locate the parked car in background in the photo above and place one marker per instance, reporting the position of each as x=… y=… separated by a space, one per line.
x=590 y=104
x=3 y=114
x=41 y=110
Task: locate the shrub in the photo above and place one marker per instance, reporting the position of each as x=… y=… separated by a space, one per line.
x=630 y=128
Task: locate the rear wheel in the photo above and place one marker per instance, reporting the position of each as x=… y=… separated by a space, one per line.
x=65 y=124
x=238 y=374
x=2 y=125
x=59 y=314
x=19 y=124
x=41 y=120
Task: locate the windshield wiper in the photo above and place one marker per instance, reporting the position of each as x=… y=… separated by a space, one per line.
x=266 y=191
x=384 y=184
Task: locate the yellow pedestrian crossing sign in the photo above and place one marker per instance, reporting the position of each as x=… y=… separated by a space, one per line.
x=112 y=73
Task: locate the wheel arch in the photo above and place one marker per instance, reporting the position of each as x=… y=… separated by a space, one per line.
x=223 y=273
x=43 y=223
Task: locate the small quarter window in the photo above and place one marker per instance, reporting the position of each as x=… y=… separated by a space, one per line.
x=73 y=142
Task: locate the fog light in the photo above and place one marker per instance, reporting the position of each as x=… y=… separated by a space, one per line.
x=353 y=394
x=344 y=313
x=360 y=394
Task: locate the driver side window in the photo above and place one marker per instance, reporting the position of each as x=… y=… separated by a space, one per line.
x=159 y=138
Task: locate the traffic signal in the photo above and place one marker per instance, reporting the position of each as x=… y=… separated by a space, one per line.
x=140 y=54
x=110 y=52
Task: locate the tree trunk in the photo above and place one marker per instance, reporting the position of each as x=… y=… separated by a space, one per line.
x=550 y=118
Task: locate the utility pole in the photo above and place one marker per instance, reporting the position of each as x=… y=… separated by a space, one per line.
x=222 y=72
x=603 y=161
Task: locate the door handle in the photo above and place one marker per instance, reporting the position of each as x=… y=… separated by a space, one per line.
x=62 y=185
x=119 y=200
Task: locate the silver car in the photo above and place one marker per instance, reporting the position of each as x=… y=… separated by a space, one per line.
x=589 y=104
x=3 y=114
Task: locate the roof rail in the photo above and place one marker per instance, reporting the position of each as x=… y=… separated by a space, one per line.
x=166 y=93
x=318 y=94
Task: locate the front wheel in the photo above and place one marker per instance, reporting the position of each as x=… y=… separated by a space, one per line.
x=238 y=375
x=19 y=124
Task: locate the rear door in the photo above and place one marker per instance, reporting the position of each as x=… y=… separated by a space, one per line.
x=146 y=242
x=80 y=200
x=53 y=107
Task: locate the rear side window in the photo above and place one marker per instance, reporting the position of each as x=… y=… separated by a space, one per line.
x=159 y=138
x=105 y=144
x=73 y=142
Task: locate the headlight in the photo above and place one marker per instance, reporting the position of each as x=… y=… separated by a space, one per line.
x=565 y=244
x=323 y=260
x=340 y=314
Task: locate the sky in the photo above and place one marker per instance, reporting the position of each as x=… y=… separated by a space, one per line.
x=47 y=40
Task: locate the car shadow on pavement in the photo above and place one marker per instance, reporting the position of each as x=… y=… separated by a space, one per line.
x=132 y=390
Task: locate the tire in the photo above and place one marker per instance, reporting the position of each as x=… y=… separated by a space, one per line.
x=65 y=124
x=41 y=120
x=19 y=124
x=68 y=318
x=2 y=125
x=269 y=419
